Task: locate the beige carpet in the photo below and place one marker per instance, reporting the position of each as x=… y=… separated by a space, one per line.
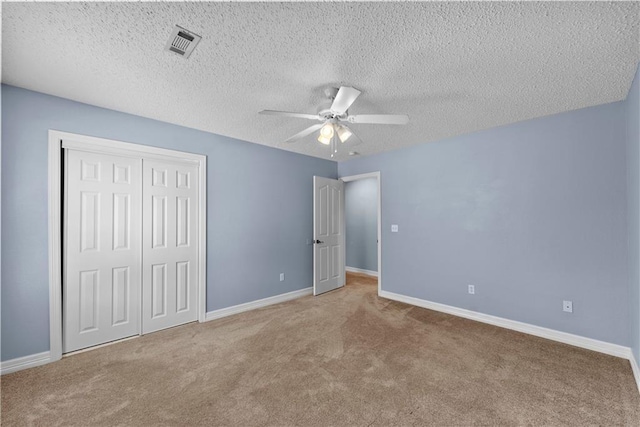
x=344 y=358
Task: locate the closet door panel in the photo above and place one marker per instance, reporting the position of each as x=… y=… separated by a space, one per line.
x=170 y=253
x=102 y=249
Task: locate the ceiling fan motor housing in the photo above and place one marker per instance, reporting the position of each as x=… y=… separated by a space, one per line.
x=326 y=114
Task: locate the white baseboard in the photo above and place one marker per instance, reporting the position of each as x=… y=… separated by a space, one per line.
x=551 y=334
x=229 y=311
x=25 y=362
x=636 y=369
x=362 y=270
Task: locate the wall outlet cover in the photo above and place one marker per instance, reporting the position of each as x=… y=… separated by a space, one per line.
x=394 y=228
x=282 y=277
x=472 y=289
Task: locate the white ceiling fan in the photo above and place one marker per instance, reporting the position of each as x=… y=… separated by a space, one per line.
x=333 y=120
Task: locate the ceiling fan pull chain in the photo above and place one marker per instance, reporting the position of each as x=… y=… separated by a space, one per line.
x=333 y=146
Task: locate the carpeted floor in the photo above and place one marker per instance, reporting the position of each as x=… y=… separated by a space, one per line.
x=344 y=358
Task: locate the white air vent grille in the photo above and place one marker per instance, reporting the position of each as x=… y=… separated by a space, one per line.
x=182 y=41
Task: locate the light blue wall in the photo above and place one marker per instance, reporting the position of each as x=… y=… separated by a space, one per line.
x=633 y=196
x=259 y=209
x=361 y=212
x=531 y=213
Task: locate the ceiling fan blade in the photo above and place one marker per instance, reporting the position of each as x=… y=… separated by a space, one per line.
x=304 y=133
x=288 y=114
x=344 y=98
x=382 y=119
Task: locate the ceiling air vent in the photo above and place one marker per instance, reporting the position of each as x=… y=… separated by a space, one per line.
x=182 y=41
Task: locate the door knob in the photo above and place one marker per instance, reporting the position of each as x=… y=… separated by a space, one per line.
x=318 y=241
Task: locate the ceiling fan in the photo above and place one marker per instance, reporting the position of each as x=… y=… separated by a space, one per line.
x=333 y=119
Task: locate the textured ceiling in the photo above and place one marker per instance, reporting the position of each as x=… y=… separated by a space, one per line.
x=452 y=67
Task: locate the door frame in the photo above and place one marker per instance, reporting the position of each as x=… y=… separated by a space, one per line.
x=369 y=175
x=59 y=140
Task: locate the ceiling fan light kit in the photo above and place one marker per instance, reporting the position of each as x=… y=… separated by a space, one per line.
x=344 y=133
x=327 y=130
x=324 y=140
x=331 y=118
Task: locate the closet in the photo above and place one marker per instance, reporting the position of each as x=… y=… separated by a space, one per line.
x=130 y=245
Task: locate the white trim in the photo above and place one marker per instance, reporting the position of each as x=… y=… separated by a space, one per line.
x=362 y=271
x=361 y=176
x=55 y=248
x=119 y=148
x=58 y=140
x=636 y=369
x=25 y=362
x=563 y=337
x=202 y=240
x=240 y=308
x=375 y=175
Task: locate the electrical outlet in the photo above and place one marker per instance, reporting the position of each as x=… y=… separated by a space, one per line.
x=282 y=277
x=394 y=228
x=567 y=306
x=472 y=289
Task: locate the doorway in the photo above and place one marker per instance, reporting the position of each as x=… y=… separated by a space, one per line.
x=363 y=225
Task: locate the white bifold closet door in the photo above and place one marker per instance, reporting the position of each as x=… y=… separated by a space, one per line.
x=101 y=287
x=170 y=253
x=131 y=247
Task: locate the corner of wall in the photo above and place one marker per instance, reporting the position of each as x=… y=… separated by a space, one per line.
x=632 y=135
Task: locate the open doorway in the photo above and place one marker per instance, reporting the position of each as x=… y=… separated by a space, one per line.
x=363 y=225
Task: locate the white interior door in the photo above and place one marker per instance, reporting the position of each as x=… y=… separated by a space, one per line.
x=329 y=234
x=170 y=244
x=101 y=286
